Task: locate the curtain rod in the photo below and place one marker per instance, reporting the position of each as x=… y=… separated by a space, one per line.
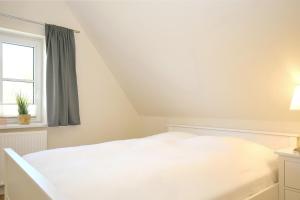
x=28 y=20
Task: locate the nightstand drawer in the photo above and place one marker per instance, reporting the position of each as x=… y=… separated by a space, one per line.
x=292 y=174
x=291 y=195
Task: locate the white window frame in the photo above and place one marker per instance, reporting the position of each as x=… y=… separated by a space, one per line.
x=37 y=42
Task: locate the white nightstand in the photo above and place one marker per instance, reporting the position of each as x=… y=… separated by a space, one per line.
x=289 y=174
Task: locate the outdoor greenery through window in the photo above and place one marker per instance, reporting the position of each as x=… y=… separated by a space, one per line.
x=21 y=62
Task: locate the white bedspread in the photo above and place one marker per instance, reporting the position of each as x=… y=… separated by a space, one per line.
x=169 y=166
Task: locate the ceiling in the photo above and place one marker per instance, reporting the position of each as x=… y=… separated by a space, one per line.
x=216 y=59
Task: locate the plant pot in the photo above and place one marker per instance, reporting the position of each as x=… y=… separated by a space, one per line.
x=2 y=121
x=24 y=119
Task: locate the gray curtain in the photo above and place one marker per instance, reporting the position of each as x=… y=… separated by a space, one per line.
x=61 y=80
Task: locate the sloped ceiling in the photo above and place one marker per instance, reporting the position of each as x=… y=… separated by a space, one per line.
x=220 y=59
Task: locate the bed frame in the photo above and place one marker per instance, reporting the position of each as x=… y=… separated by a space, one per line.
x=23 y=182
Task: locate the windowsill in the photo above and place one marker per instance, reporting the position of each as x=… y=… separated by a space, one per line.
x=19 y=126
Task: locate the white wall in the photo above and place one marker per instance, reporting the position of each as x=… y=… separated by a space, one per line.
x=225 y=63
x=106 y=113
x=216 y=63
x=154 y=125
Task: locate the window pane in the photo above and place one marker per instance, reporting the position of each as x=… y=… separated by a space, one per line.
x=17 y=61
x=11 y=89
x=12 y=110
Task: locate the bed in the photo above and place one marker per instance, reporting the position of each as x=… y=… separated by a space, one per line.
x=175 y=165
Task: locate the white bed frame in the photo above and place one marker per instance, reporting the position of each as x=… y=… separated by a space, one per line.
x=23 y=182
x=273 y=140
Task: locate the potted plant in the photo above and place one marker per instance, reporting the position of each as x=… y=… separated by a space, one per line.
x=24 y=117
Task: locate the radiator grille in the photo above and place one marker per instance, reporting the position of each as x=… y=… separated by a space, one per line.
x=22 y=143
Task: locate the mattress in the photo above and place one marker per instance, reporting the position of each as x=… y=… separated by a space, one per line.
x=168 y=166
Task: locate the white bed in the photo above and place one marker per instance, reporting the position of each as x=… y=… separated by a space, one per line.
x=169 y=166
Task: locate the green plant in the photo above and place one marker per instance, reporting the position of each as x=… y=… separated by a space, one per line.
x=22 y=104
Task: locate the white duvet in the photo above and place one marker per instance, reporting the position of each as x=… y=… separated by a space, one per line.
x=169 y=166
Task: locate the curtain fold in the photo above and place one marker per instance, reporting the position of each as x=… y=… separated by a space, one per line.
x=61 y=79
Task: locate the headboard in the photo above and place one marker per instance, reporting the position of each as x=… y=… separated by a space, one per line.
x=272 y=140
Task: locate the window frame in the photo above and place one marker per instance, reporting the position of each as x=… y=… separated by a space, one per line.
x=37 y=42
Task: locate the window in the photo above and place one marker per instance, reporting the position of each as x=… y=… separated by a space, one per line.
x=21 y=71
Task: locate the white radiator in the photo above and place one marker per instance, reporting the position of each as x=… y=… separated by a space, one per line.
x=22 y=143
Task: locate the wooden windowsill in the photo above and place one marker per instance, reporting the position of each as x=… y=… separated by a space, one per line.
x=19 y=126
